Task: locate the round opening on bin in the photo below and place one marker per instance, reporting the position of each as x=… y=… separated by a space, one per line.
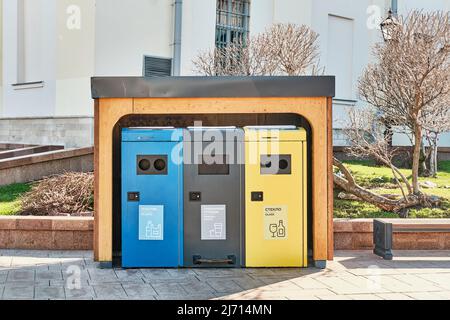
x=144 y=164
x=284 y=164
x=160 y=165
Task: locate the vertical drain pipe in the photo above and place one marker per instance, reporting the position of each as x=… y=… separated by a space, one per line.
x=178 y=7
x=394 y=7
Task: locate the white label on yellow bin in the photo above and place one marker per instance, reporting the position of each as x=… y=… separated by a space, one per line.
x=275 y=222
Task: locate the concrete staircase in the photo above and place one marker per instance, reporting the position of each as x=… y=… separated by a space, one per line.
x=27 y=163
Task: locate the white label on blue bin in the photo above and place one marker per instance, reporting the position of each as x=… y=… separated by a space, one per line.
x=214 y=222
x=151 y=223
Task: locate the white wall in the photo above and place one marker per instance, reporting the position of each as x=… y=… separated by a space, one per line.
x=404 y=140
x=405 y=6
x=199 y=31
x=261 y=16
x=340 y=56
x=199 y=23
x=1 y=58
x=125 y=31
x=348 y=29
x=75 y=57
x=292 y=11
x=35 y=39
x=39 y=56
x=264 y=13
x=115 y=34
x=47 y=50
x=362 y=37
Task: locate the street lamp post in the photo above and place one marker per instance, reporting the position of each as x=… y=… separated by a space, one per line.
x=388 y=26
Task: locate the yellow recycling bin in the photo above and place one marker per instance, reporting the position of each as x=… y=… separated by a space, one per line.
x=276 y=202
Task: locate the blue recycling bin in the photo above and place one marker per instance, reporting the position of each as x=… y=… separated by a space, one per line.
x=152 y=198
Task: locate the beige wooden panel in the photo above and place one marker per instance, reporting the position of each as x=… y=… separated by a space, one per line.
x=330 y=181
x=96 y=177
x=111 y=110
x=108 y=114
x=226 y=105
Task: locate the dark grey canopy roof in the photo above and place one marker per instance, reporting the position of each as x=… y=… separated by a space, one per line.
x=209 y=87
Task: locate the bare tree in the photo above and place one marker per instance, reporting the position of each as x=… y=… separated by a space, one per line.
x=294 y=48
x=237 y=59
x=283 y=49
x=365 y=131
x=412 y=74
x=366 y=134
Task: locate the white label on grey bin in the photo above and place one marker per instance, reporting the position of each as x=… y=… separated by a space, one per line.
x=214 y=222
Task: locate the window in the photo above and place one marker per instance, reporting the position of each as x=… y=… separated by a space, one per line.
x=232 y=22
x=157 y=67
x=31 y=46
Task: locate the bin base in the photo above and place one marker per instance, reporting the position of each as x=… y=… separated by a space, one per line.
x=105 y=265
x=320 y=264
x=386 y=254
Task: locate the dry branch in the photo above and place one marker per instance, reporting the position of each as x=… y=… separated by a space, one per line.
x=70 y=193
x=382 y=202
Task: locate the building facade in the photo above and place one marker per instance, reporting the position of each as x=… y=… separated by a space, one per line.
x=49 y=49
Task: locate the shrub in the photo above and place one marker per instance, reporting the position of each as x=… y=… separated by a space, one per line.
x=67 y=194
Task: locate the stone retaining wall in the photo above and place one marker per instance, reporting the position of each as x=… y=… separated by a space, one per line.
x=76 y=233
x=358 y=235
x=35 y=167
x=46 y=233
x=404 y=154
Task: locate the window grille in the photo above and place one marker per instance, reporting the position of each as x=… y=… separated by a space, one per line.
x=232 y=22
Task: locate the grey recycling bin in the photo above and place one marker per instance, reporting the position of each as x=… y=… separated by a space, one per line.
x=214 y=197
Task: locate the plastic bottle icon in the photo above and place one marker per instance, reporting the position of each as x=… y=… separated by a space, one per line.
x=281 y=230
x=218 y=230
x=152 y=231
x=156 y=231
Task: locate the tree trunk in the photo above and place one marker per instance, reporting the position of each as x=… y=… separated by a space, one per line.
x=433 y=159
x=435 y=155
x=423 y=169
x=416 y=157
x=389 y=134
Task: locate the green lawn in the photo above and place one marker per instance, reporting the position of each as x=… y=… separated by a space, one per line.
x=379 y=180
x=9 y=198
x=366 y=174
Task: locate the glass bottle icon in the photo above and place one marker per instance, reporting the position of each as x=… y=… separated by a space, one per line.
x=281 y=230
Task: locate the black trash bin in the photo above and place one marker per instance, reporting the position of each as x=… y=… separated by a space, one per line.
x=214 y=197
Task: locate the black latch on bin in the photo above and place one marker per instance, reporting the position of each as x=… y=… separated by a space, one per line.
x=195 y=196
x=257 y=196
x=133 y=196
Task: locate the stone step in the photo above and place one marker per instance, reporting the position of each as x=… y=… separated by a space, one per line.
x=29 y=168
x=28 y=151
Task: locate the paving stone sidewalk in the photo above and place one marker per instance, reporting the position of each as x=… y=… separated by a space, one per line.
x=356 y=275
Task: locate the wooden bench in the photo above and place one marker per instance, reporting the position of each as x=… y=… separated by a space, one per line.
x=383 y=230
